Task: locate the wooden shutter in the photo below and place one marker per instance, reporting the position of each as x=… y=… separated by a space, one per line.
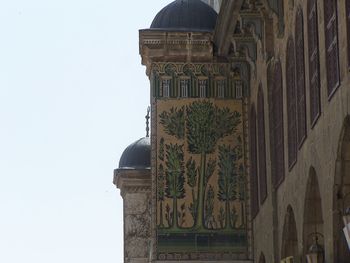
x=279 y=124
x=332 y=51
x=291 y=104
x=270 y=87
x=261 y=146
x=314 y=62
x=276 y=124
x=300 y=77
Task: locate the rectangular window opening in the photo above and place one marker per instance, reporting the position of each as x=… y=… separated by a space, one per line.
x=221 y=88
x=239 y=89
x=202 y=88
x=184 y=84
x=166 y=88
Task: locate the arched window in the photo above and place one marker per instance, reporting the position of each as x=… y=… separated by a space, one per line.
x=276 y=124
x=347 y=8
x=289 y=235
x=314 y=61
x=291 y=104
x=300 y=76
x=253 y=164
x=261 y=146
x=262 y=258
x=332 y=51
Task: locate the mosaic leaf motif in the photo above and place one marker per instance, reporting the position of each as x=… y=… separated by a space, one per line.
x=174 y=122
x=174 y=177
x=227 y=179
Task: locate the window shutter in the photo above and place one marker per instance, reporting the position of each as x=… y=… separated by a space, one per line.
x=331 y=39
x=300 y=77
x=270 y=87
x=276 y=124
x=314 y=62
x=279 y=125
x=291 y=104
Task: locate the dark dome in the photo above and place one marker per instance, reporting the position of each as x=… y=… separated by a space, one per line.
x=186 y=15
x=137 y=155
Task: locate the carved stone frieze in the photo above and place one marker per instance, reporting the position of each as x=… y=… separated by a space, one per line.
x=165 y=46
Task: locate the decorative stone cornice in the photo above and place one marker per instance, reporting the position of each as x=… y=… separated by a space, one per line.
x=132 y=181
x=174 y=46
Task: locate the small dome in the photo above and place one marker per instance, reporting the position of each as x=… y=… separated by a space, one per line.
x=186 y=15
x=137 y=155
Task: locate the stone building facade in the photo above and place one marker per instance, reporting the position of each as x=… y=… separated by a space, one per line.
x=286 y=66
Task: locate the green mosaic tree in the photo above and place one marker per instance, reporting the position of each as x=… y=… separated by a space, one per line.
x=227 y=180
x=174 y=122
x=174 y=177
x=205 y=125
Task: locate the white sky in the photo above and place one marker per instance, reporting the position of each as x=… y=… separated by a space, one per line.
x=73 y=95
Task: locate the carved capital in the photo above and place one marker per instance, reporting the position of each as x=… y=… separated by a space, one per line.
x=132 y=181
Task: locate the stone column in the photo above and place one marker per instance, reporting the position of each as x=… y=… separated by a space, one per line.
x=135 y=188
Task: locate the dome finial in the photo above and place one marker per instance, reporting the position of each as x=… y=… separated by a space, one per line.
x=147 y=121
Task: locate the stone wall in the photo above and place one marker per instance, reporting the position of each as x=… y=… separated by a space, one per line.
x=320 y=149
x=135 y=188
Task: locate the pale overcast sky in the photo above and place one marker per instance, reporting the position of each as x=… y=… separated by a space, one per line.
x=73 y=95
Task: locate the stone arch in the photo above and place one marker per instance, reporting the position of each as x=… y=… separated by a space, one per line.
x=262 y=258
x=313 y=217
x=289 y=236
x=341 y=194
